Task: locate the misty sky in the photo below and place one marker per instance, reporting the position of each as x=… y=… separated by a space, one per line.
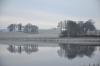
x=47 y=13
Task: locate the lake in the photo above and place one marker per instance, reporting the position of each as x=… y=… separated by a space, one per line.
x=49 y=55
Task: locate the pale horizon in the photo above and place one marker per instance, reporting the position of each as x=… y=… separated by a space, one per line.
x=47 y=13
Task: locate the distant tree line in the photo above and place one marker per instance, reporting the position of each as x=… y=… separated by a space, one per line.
x=71 y=28
x=20 y=28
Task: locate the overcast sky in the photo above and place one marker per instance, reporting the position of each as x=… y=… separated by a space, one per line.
x=47 y=13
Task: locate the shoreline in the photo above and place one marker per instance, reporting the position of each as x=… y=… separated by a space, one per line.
x=81 y=41
x=18 y=37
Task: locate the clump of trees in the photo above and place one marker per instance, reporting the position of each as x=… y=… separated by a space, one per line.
x=75 y=29
x=11 y=27
x=29 y=28
x=15 y=27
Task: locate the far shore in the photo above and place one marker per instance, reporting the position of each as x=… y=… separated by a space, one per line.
x=6 y=35
x=18 y=37
x=26 y=35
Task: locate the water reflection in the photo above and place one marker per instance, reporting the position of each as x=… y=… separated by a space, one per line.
x=72 y=51
x=69 y=55
x=69 y=51
x=19 y=49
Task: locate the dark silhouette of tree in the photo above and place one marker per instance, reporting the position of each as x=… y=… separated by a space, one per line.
x=62 y=25
x=20 y=27
x=81 y=27
x=31 y=28
x=89 y=26
x=12 y=27
x=34 y=29
x=74 y=29
x=71 y=28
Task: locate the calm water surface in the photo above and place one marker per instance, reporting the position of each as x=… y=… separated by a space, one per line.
x=49 y=55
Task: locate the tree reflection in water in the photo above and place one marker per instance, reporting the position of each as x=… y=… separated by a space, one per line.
x=30 y=48
x=72 y=51
x=11 y=48
x=19 y=49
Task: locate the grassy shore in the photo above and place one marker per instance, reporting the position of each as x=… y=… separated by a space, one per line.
x=19 y=37
x=26 y=35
